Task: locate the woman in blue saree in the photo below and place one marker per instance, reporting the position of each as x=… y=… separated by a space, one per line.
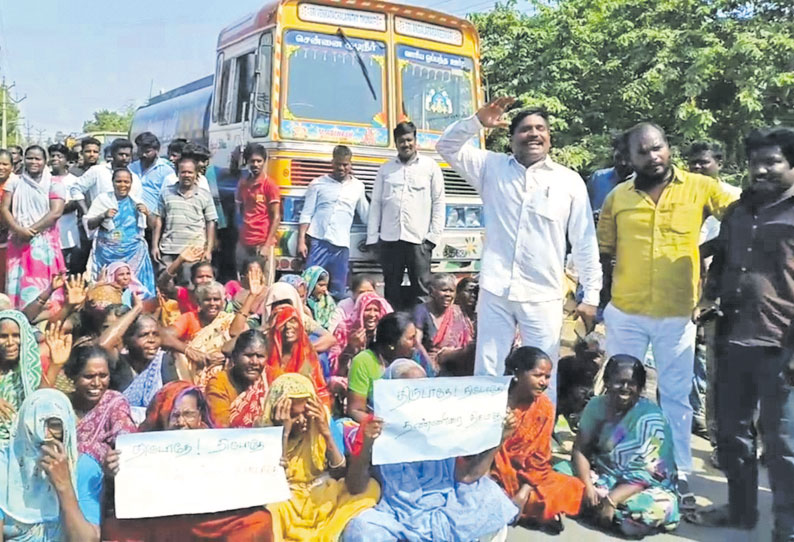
x=624 y=455
x=117 y=221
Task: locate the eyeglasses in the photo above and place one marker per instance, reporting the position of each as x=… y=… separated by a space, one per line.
x=187 y=415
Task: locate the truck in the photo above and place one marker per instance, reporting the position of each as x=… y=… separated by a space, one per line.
x=300 y=77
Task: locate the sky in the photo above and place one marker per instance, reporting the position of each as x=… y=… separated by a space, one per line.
x=69 y=63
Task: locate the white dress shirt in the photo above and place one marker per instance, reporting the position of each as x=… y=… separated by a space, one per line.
x=528 y=214
x=68 y=224
x=99 y=180
x=407 y=202
x=330 y=206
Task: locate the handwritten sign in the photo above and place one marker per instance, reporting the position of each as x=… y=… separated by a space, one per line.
x=198 y=471
x=436 y=418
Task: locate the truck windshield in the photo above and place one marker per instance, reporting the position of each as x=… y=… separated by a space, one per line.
x=437 y=90
x=327 y=95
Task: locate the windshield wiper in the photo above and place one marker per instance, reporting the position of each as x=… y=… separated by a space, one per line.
x=364 y=71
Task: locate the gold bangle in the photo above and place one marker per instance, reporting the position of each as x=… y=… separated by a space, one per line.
x=338 y=466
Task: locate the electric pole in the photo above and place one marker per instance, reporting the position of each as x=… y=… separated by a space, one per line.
x=4 y=107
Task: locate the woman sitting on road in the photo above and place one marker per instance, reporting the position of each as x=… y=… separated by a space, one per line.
x=237 y=394
x=523 y=464
x=320 y=505
x=624 y=455
x=181 y=406
x=424 y=501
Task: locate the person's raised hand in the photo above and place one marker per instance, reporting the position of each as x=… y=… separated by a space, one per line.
x=316 y=413
x=112 y=463
x=510 y=424
x=358 y=340
x=192 y=254
x=76 y=290
x=59 y=343
x=256 y=280
x=373 y=429
x=57 y=281
x=55 y=464
x=283 y=414
x=491 y=115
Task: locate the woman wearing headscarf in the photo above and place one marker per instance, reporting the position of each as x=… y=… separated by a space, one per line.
x=32 y=204
x=120 y=275
x=320 y=505
x=51 y=492
x=425 y=501
x=359 y=329
x=290 y=351
x=117 y=221
x=20 y=367
x=319 y=300
x=237 y=394
x=181 y=406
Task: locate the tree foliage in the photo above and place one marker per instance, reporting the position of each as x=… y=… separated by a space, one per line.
x=110 y=121
x=699 y=68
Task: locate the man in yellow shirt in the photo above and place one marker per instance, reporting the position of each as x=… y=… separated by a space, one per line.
x=650 y=227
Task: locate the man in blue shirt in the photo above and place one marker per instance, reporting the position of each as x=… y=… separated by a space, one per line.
x=152 y=170
x=604 y=180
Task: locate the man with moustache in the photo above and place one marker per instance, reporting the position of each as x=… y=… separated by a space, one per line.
x=532 y=206
x=650 y=226
x=752 y=276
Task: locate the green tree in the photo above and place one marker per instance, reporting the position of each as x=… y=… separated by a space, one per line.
x=699 y=68
x=110 y=121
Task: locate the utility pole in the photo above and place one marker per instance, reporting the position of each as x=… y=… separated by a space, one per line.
x=4 y=107
x=41 y=133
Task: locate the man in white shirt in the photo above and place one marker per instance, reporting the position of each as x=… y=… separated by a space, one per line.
x=99 y=178
x=328 y=210
x=406 y=217
x=68 y=223
x=531 y=206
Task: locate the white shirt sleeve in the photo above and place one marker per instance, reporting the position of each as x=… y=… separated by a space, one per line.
x=581 y=233
x=464 y=158
x=373 y=222
x=309 y=203
x=362 y=206
x=83 y=184
x=438 y=209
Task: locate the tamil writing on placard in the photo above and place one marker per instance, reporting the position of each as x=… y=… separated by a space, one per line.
x=198 y=471
x=437 y=418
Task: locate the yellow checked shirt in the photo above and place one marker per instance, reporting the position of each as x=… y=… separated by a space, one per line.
x=655 y=245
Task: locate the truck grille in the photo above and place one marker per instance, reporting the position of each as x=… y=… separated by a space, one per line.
x=304 y=171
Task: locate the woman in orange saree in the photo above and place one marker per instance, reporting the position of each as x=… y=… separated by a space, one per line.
x=523 y=464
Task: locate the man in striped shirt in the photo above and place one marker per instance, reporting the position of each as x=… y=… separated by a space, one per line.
x=186 y=216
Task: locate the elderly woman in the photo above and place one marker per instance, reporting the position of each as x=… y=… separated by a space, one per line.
x=623 y=455
x=290 y=351
x=181 y=406
x=51 y=491
x=360 y=284
x=102 y=414
x=117 y=222
x=200 y=335
x=31 y=206
x=20 y=367
x=144 y=367
x=320 y=505
x=395 y=337
x=425 y=501
x=445 y=333
x=236 y=394
x=522 y=465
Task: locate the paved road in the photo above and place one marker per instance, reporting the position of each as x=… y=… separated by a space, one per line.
x=710 y=486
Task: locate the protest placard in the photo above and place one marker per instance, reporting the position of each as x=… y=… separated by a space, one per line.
x=198 y=471
x=436 y=418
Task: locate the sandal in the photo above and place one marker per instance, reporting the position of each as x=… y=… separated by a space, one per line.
x=686 y=499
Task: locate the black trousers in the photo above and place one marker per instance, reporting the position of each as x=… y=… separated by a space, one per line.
x=395 y=258
x=749 y=376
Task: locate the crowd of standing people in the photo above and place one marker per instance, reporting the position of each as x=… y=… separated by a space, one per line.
x=114 y=322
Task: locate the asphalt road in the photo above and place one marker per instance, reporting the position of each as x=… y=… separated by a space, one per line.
x=707 y=483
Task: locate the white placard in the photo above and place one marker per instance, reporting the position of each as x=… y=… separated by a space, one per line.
x=353 y=18
x=436 y=418
x=427 y=31
x=198 y=471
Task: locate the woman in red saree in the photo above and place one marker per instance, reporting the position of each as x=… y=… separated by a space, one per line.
x=237 y=393
x=180 y=405
x=522 y=466
x=290 y=351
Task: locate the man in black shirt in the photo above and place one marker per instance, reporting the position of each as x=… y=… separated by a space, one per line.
x=752 y=275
